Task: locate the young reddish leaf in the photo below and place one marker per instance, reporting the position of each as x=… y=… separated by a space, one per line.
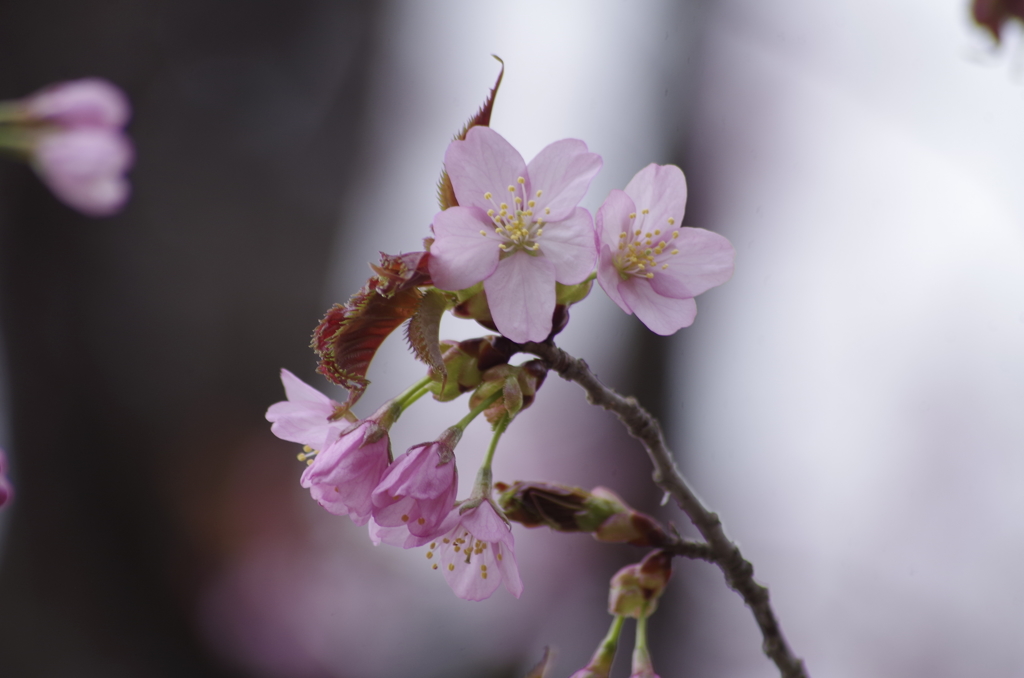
x=350 y=334
x=423 y=330
x=445 y=192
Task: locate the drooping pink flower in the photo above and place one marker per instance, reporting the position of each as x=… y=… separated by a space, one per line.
x=517 y=227
x=6 y=491
x=647 y=263
x=88 y=102
x=477 y=553
x=306 y=416
x=85 y=167
x=343 y=475
x=419 y=489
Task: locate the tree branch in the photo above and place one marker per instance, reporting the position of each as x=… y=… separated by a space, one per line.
x=739 y=573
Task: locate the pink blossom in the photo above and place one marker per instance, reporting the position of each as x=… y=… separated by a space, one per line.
x=85 y=167
x=418 y=490
x=648 y=264
x=477 y=554
x=6 y=491
x=306 y=416
x=342 y=476
x=517 y=227
x=89 y=102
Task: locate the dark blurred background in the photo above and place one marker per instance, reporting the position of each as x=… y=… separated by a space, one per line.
x=849 y=402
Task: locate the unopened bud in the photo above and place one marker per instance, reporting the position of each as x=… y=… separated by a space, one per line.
x=518 y=384
x=473 y=305
x=573 y=509
x=635 y=589
x=465 y=362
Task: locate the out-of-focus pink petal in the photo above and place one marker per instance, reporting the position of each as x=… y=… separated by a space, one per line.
x=89 y=102
x=613 y=217
x=85 y=167
x=569 y=246
x=662 y=315
x=563 y=172
x=417 y=491
x=482 y=163
x=521 y=294
x=662 y=190
x=460 y=256
x=298 y=391
x=705 y=260
x=477 y=554
x=609 y=280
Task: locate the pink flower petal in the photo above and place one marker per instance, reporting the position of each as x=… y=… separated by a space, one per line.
x=521 y=294
x=298 y=391
x=609 y=280
x=662 y=315
x=705 y=260
x=460 y=256
x=613 y=217
x=306 y=416
x=563 y=172
x=92 y=102
x=662 y=190
x=483 y=163
x=569 y=245
x=85 y=167
x=343 y=476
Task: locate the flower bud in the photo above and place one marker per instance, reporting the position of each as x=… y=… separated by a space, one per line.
x=473 y=306
x=518 y=384
x=465 y=362
x=635 y=589
x=572 y=509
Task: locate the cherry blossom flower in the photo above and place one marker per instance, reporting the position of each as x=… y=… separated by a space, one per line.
x=418 y=490
x=477 y=554
x=517 y=227
x=6 y=491
x=73 y=134
x=306 y=416
x=342 y=477
x=649 y=265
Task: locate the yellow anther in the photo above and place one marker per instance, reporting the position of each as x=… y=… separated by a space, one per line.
x=302 y=456
x=518 y=200
x=451 y=567
x=664 y=266
x=457 y=548
x=650 y=275
x=499 y=557
x=483 y=568
x=433 y=544
x=632 y=215
x=532 y=203
x=336 y=489
x=622 y=235
x=638 y=232
x=421 y=521
x=645 y=211
x=483 y=575
x=307 y=448
x=430 y=554
x=490 y=213
x=521 y=180
x=657 y=231
x=483 y=232
x=434 y=566
x=405 y=518
x=309 y=462
x=504 y=206
x=671 y=221
x=539 y=193
x=674 y=252
x=547 y=210
x=540 y=232
x=675 y=234
x=511 y=189
x=446 y=540
x=487 y=195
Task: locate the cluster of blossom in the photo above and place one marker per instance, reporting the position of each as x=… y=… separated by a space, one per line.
x=72 y=133
x=511 y=249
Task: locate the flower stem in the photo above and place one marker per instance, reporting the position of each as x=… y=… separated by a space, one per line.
x=475 y=412
x=482 y=486
x=411 y=395
x=603 y=658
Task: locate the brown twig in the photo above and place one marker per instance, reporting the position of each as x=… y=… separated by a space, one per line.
x=739 y=573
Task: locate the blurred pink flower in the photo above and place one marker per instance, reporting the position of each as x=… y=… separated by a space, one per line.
x=477 y=554
x=89 y=102
x=6 y=491
x=517 y=227
x=418 y=490
x=649 y=265
x=85 y=167
x=306 y=416
x=344 y=474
